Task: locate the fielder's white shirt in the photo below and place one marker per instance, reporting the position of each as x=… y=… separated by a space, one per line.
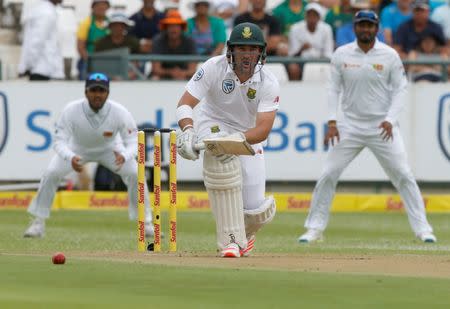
x=321 y=40
x=81 y=131
x=373 y=85
x=227 y=100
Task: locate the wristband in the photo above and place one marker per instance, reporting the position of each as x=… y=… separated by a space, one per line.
x=184 y=111
x=187 y=127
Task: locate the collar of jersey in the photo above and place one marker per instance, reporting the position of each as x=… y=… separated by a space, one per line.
x=256 y=78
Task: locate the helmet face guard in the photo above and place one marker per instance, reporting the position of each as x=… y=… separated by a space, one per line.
x=246 y=34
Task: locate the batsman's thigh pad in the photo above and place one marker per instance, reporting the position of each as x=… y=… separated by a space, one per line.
x=257 y=218
x=223 y=182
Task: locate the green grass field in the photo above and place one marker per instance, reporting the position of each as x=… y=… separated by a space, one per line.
x=367 y=261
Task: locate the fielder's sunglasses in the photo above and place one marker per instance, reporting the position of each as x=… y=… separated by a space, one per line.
x=366 y=15
x=98 y=76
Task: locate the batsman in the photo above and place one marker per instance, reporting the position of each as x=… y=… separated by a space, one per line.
x=240 y=99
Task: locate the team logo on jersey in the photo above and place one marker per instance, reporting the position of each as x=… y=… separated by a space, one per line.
x=251 y=93
x=378 y=67
x=3 y=121
x=444 y=125
x=247 y=33
x=199 y=75
x=228 y=86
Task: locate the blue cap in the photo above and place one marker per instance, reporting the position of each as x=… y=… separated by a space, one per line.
x=97 y=80
x=366 y=15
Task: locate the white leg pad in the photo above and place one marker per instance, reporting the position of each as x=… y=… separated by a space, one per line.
x=257 y=218
x=223 y=181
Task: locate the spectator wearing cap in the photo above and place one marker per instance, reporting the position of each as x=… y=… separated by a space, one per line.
x=288 y=13
x=269 y=25
x=208 y=32
x=310 y=38
x=393 y=15
x=41 y=56
x=410 y=33
x=173 y=41
x=346 y=33
x=118 y=36
x=93 y=28
x=146 y=24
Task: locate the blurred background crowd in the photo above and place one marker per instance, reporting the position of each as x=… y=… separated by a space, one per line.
x=69 y=31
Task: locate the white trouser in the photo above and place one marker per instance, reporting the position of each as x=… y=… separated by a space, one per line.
x=392 y=157
x=59 y=168
x=253 y=179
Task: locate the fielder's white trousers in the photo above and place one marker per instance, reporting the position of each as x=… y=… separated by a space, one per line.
x=59 y=168
x=392 y=157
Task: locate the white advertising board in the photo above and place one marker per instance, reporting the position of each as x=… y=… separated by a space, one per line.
x=295 y=151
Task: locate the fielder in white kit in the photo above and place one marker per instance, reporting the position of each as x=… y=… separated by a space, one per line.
x=240 y=98
x=371 y=79
x=87 y=131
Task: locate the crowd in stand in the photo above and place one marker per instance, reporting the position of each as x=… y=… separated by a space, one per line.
x=417 y=29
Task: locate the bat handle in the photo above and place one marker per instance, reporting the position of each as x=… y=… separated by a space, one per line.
x=199 y=146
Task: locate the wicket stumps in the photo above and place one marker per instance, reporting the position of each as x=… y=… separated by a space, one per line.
x=157 y=189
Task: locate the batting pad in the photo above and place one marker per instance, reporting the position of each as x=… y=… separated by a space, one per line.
x=223 y=181
x=257 y=218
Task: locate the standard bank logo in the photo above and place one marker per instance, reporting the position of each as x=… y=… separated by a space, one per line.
x=444 y=125
x=3 y=121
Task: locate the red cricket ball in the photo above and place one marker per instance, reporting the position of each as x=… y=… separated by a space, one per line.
x=58 y=258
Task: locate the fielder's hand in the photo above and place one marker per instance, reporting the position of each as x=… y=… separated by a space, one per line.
x=185 y=144
x=76 y=164
x=332 y=134
x=386 y=132
x=120 y=160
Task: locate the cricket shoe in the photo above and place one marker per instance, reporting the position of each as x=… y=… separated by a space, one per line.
x=311 y=235
x=250 y=245
x=36 y=228
x=232 y=250
x=427 y=237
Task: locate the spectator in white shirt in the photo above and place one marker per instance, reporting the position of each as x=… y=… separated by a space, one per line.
x=88 y=131
x=309 y=38
x=370 y=79
x=41 y=57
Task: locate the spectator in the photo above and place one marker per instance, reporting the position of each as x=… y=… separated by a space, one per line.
x=226 y=9
x=288 y=13
x=393 y=16
x=41 y=57
x=208 y=32
x=310 y=38
x=340 y=15
x=428 y=49
x=270 y=26
x=146 y=24
x=346 y=33
x=67 y=36
x=172 y=41
x=441 y=16
x=410 y=34
x=94 y=27
x=118 y=37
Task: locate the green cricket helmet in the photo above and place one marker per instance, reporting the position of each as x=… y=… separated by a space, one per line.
x=247 y=34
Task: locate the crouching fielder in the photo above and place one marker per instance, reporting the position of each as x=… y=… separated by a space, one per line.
x=372 y=80
x=240 y=98
x=87 y=132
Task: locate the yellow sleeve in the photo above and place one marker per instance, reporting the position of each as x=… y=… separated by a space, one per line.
x=83 y=29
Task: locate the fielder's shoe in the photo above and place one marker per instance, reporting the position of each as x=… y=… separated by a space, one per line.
x=36 y=228
x=232 y=250
x=427 y=237
x=250 y=245
x=311 y=235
